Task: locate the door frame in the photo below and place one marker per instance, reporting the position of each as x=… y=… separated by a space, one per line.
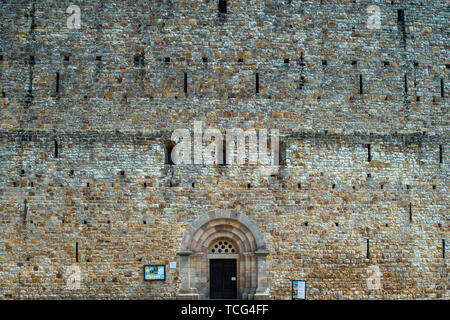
x=234 y=256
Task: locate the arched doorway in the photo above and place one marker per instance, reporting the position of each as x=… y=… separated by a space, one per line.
x=223 y=257
x=246 y=258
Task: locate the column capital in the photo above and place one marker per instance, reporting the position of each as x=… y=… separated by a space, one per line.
x=262 y=252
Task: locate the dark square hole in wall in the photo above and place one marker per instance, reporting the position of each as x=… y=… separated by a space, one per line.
x=416 y=64
x=144 y=222
x=447 y=66
x=98 y=58
x=240 y=60
x=137 y=60
x=299 y=186
x=333 y=186
x=369 y=175
x=122 y=173
x=167 y=59
x=249 y=185
x=193 y=184
x=324 y=62
x=3 y=94
x=386 y=63
x=109 y=221
x=418 y=99
x=439 y=225
x=71 y=172
x=434 y=187
x=28 y=259
x=381 y=186
x=145 y=184
x=305 y=223
x=87 y=184
x=1 y=58
x=222 y=6
x=336 y=224
x=205 y=59
x=286 y=60
x=407 y=187
x=386 y=225
x=354 y=187
x=22 y=172
x=66 y=58
x=354 y=63
x=85 y=222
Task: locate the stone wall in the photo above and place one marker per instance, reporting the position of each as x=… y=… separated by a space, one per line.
x=86 y=115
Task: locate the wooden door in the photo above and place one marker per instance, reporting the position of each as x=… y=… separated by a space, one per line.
x=223 y=279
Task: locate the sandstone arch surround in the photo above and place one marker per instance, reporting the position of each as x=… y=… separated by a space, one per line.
x=251 y=255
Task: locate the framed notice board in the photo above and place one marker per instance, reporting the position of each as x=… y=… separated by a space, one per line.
x=154 y=272
x=298 y=290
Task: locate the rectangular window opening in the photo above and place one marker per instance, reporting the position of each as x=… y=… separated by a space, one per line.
x=442 y=88
x=25 y=209
x=76 y=252
x=169 y=148
x=56 y=149
x=406 y=83
x=440 y=153
x=443 y=248
x=361 y=84
x=57 y=83
x=224 y=153
x=401 y=16
x=222 y=6
x=185 y=83
x=369 y=154
x=368 y=249
x=410 y=212
x=257 y=82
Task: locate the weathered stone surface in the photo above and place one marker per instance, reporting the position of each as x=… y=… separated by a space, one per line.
x=121 y=94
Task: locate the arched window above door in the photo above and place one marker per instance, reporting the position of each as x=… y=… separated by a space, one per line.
x=222 y=245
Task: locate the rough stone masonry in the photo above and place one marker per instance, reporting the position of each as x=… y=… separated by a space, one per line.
x=86 y=121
